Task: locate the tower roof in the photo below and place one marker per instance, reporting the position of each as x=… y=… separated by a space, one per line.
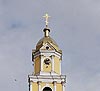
x=47 y=38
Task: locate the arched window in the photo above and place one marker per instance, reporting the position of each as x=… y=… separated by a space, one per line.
x=47 y=89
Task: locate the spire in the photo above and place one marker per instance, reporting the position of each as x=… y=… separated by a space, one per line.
x=46 y=30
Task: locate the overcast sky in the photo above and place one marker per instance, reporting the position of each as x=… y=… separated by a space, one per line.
x=75 y=26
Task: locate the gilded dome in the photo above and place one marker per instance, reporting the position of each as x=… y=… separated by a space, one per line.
x=47 y=39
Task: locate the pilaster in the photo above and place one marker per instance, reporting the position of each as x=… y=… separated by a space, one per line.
x=42 y=59
x=63 y=86
x=52 y=60
x=39 y=85
x=54 y=86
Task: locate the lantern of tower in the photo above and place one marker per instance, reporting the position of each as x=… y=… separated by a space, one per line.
x=47 y=59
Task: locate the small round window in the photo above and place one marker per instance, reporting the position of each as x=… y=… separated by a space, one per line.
x=47 y=61
x=47 y=48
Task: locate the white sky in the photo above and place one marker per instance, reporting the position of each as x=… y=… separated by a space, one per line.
x=75 y=26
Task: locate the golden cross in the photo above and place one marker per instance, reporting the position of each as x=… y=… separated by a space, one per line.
x=46 y=17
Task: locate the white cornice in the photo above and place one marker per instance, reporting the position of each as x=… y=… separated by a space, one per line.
x=58 y=79
x=47 y=53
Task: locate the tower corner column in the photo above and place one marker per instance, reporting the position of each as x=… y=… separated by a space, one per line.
x=39 y=85
x=52 y=58
x=54 y=85
x=30 y=86
x=63 y=86
x=42 y=57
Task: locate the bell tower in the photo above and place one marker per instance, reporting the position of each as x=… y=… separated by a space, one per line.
x=47 y=59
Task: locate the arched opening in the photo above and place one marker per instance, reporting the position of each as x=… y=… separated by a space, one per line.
x=47 y=89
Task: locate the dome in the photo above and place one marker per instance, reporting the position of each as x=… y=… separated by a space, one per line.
x=49 y=40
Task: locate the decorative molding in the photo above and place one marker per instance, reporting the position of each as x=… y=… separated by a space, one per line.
x=47 y=53
x=48 y=79
x=47 y=73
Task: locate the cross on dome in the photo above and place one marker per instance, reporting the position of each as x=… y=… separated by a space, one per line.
x=46 y=16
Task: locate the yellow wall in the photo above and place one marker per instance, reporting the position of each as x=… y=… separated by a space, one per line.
x=43 y=85
x=37 y=65
x=56 y=65
x=59 y=87
x=47 y=68
x=34 y=86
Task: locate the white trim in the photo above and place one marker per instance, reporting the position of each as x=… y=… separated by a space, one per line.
x=37 y=53
x=48 y=78
x=30 y=86
x=42 y=59
x=63 y=86
x=47 y=53
x=34 y=68
x=39 y=86
x=52 y=60
x=54 y=86
x=60 y=67
x=46 y=73
x=50 y=53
